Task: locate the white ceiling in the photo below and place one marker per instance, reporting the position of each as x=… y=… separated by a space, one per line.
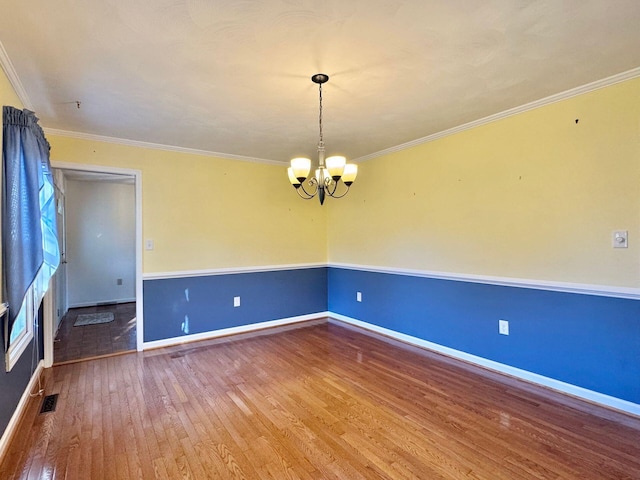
x=233 y=76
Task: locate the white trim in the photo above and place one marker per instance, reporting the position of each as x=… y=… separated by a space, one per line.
x=19 y=345
x=558 y=97
x=137 y=174
x=23 y=340
x=14 y=80
x=139 y=256
x=48 y=319
x=230 y=271
x=563 y=387
x=104 y=303
x=580 y=288
x=93 y=168
x=18 y=412
x=233 y=330
x=157 y=146
x=566 y=287
x=566 y=388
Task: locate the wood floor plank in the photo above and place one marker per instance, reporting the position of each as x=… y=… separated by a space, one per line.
x=319 y=401
x=73 y=343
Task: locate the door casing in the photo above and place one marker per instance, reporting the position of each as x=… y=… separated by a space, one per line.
x=50 y=301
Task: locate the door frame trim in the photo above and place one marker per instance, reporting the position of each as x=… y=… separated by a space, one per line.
x=48 y=307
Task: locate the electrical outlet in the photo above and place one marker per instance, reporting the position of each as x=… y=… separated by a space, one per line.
x=503 y=327
x=118 y=281
x=359 y=296
x=236 y=301
x=148 y=244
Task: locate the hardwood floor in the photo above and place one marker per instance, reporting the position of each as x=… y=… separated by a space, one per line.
x=88 y=341
x=319 y=401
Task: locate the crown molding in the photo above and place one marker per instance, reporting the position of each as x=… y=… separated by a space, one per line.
x=558 y=97
x=9 y=70
x=155 y=146
x=7 y=66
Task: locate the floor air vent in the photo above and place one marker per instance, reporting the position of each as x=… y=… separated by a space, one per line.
x=49 y=403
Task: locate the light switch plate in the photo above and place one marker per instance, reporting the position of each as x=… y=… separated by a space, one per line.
x=620 y=239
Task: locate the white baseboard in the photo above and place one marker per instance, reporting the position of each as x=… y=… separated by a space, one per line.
x=583 y=393
x=105 y=303
x=17 y=414
x=232 y=331
x=563 y=387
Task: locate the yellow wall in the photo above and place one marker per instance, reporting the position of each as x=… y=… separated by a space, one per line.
x=8 y=95
x=533 y=196
x=208 y=213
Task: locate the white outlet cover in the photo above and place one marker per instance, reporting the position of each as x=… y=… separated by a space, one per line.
x=148 y=244
x=359 y=296
x=236 y=301
x=503 y=327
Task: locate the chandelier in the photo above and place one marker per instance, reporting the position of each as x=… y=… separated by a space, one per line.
x=330 y=172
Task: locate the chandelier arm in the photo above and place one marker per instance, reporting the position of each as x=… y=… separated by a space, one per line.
x=304 y=197
x=328 y=185
x=332 y=192
x=309 y=195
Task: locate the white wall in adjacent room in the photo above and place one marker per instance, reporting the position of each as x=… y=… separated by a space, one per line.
x=100 y=242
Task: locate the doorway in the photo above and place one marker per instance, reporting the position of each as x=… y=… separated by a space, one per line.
x=96 y=300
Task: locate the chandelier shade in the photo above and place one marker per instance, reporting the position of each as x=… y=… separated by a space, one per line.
x=301 y=168
x=350 y=173
x=333 y=176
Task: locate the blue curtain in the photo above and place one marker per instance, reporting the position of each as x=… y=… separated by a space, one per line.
x=29 y=238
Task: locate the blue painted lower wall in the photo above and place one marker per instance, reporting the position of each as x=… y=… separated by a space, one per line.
x=14 y=383
x=584 y=340
x=189 y=305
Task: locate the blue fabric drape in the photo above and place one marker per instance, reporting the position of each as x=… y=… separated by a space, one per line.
x=29 y=237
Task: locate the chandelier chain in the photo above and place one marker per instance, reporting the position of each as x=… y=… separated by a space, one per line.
x=320 y=119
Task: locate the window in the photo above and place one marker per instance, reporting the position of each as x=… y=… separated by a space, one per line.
x=21 y=333
x=29 y=237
